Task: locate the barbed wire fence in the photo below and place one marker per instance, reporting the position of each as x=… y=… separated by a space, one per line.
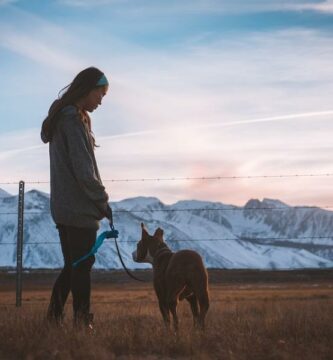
x=21 y=213
x=185 y=178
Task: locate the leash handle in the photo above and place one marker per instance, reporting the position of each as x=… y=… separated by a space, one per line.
x=113 y=233
x=110 y=216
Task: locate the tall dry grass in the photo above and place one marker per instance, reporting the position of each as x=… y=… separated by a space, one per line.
x=241 y=324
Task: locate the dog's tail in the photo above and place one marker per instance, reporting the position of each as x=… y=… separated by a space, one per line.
x=203 y=297
x=203 y=300
x=202 y=294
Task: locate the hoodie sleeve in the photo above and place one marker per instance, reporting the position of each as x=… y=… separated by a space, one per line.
x=83 y=161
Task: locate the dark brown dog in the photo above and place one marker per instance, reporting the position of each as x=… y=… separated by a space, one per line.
x=177 y=276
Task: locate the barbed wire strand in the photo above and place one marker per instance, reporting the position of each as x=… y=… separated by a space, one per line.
x=244 y=239
x=286 y=208
x=187 y=178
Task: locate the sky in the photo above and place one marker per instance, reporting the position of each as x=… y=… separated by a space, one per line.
x=238 y=89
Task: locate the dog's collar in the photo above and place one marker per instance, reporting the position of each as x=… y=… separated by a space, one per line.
x=162 y=250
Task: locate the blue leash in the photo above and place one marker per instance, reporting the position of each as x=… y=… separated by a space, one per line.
x=112 y=234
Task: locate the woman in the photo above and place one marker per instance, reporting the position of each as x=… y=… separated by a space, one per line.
x=78 y=197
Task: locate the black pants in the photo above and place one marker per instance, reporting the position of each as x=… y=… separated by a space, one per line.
x=75 y=243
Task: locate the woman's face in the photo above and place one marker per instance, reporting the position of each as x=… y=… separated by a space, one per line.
x=94 y=98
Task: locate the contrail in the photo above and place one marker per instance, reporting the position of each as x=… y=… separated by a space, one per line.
x=268 y=119
x=129 y=134
x=7 y=153
x=225 y=124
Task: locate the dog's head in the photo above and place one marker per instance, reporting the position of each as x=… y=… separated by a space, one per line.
x=148 y=245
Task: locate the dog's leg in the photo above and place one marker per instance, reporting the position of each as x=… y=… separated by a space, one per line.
x=173 y=308
x=172 y=300
x=161 y=296
x=175 y=288
x=192 y=299
x=165 y=313
x=203 y=299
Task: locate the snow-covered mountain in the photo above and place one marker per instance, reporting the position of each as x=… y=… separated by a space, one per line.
x=4 y=193
x=264 y=234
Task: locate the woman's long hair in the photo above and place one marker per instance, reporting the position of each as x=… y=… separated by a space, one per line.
x=83 y=83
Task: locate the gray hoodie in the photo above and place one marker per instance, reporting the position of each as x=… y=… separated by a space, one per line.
x=78 y=197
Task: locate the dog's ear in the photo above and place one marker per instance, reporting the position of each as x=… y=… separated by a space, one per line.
x=159 y=234
x=144 y=230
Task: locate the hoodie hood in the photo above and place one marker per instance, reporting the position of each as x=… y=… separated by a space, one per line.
x=44 y=136
x=46 y=131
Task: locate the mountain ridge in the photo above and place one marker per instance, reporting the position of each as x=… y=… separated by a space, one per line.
x=266 y=234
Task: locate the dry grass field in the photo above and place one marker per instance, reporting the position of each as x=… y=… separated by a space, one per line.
x=253 y=315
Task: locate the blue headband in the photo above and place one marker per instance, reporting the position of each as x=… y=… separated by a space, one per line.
x=102 y=81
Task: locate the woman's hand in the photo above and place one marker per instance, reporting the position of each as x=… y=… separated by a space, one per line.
x=108 y=213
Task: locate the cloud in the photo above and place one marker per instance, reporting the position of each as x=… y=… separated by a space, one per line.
x=325 y=6
x=202 y=108
x=91 y=3
x=38 y=50
x=255 y=76
x=213 y=153
x=203 y=7
x=7 y=2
